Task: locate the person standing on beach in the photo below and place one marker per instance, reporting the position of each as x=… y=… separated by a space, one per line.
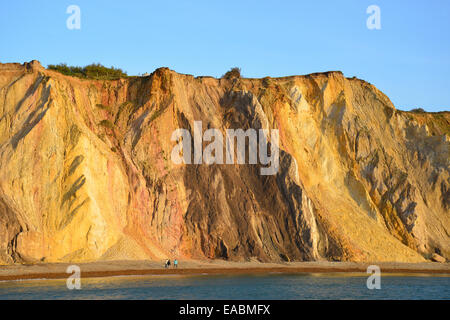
x=175 y=263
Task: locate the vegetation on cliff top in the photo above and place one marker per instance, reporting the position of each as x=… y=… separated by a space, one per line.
x=233 y=73
x=418 y=110
x=93 y=71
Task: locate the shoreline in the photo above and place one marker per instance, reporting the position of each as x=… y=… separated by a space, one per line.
x=145 y=268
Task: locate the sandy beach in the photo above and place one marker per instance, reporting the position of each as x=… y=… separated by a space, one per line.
x=123 y=268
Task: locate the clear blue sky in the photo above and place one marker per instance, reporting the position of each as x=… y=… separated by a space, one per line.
x=408 y=59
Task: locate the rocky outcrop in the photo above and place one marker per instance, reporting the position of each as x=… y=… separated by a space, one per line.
x=86 y=171
x=437 y=258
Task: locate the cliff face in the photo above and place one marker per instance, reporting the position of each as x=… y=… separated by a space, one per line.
x=86 y=171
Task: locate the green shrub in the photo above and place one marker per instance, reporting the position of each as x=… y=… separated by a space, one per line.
x=107 y=124
x=103 y=107
x=266 y=81
x=93 y=71
x=418 y=110
x=233 y=73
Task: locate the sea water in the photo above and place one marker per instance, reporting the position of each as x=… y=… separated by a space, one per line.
x=204 y=286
